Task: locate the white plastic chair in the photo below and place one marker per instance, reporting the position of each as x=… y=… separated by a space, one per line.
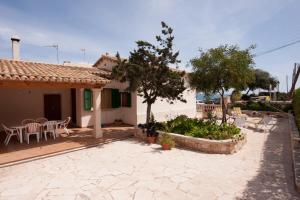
x=27 y=121
x=41 y=120
x=64 y=125
x=9 y=133
x=51 y=127
x=33 y=129
x=264 y=122
x=240 y=122
x=217 y=112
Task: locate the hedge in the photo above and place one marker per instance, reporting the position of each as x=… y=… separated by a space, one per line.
x=296 y=106
x=257 y=106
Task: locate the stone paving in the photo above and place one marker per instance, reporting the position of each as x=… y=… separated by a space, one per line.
x=130 y=169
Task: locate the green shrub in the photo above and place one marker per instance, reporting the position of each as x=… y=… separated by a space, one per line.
x=236 y=96
x=180 y=124
x=167 y=139
x=256 y=106
x=296 y=106
x=199 y=128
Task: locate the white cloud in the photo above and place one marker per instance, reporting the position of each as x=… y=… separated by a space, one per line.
x=115 y=26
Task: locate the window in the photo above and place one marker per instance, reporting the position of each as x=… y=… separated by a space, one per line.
x=110 y=98
x=115 y=98
x=88 y=101
x=106 y=98
x=126 y=99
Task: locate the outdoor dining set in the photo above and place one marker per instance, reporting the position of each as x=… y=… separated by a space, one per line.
x=40 y=127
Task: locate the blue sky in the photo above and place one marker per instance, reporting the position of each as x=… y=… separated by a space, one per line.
x=111 y=26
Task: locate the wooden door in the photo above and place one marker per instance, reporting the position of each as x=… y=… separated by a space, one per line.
x=52 y=106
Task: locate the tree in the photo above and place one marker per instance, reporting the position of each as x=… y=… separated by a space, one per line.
x=262 y=80
x=147 y=70
x=236 y=95
x=219 y=69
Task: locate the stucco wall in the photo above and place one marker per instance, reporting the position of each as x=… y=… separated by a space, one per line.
x=128 y=115
x=163 y=111
x=19 y=104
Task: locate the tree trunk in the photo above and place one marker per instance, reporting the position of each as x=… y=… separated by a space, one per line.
x=224 y=110
x=148 y=113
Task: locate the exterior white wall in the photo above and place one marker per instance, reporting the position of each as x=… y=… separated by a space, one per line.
x=19 y=104
x=163 y=111
x=128 y=115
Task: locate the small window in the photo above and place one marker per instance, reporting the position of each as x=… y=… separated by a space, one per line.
x=88 y=100
x=126 y=99
x=106 y=98
x=110 y=98
x=116 y=98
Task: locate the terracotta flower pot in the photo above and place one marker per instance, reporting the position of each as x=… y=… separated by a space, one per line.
x=166 y=147
x=151 y=140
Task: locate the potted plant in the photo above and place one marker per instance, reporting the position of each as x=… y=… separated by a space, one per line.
x=150 y=131
x=152 y=134
x=166 y=141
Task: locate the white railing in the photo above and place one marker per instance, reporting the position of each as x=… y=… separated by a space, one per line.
x=203 y=109
x=207 y=107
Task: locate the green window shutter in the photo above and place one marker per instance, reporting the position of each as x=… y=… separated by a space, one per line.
x=87 y=95
x=129 y=99
x=115 y=98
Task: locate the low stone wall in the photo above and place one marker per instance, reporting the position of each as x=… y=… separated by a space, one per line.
x=295 y=144
x=250 y=113
x=204 y=145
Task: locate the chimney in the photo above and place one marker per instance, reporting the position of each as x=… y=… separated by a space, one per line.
x=15 y=43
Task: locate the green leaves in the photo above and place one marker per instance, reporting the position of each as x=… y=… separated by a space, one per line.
x=147 y=69
x=199 y=128
x=222 y=68
x=296 y=106
x=262 y=80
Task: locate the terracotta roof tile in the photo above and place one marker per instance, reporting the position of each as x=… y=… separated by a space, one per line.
x=34 y=71
x=115 y=59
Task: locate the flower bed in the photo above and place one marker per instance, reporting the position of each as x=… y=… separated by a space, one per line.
x=227 y=146
x=205 y=136
x=199 y=128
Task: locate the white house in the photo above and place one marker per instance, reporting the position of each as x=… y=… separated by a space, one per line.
x=160 y=109
x=33 y=89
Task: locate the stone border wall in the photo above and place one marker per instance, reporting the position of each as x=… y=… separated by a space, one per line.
x=200 y=144
x=249 y=112
x=295 y=146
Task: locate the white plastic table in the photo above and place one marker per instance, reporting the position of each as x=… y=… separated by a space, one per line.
x=20 y=128
x=20 y=131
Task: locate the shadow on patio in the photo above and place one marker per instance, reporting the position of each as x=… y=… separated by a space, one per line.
x=79 y=138
x=275 y=177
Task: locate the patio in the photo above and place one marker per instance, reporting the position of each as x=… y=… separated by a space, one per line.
x=129 y=169
x=78 y=139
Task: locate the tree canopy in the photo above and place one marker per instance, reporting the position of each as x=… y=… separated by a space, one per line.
x=219 y=69
x=147 y=70
x=262 y=80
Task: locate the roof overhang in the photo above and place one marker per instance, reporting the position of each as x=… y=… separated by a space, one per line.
x=38 y=84
x=23 y=74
